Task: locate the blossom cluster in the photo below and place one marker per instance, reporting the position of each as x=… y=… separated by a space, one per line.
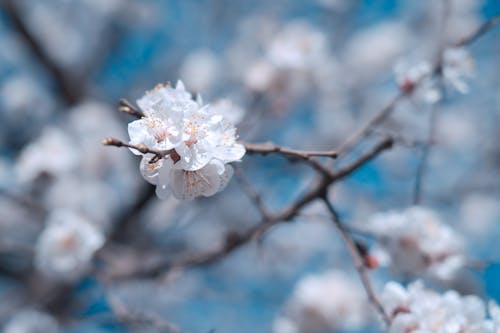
x=198 y=143
x=418 y=242
x=457 y=66
x=327 y=302
x=66 y=246
x=418 y=309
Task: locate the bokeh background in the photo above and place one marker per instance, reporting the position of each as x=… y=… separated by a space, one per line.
x=64 y=65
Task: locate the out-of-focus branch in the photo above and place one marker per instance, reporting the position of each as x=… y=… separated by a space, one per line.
x=140 y=318
x=424 y=158
x=67 y=87
x=370 y=125
x=483 y=28
x=235 y=240
x=252 y=194
x=385 y=112
x=359 y=262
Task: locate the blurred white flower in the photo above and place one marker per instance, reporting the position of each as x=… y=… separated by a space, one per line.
x=326 y=302
x=389 y=39
x=229 y=110
x=418 y=80
x=199 y=70
x=417 y=309
x=297 y=47
x=31 y=321
x=66 y=246
x=458 y=65
x=418 y=242
x=260 y=76
x=53 y=153
x=201 y=143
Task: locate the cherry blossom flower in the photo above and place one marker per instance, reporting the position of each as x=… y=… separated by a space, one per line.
x=201 y=141
x=418 y=242
x=66 y=246
x=417 y=309
x=326 y=302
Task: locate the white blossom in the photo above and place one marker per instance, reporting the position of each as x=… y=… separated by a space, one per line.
x=66 y=246
x=31 y=321
x=229 y=110
x=418 y=80
x=297 y=47
x=201 y=141
x=416 y=310
x=199 y=70
x=458 y=66
x=326 y=302
x=52 y=154
x=418 y=242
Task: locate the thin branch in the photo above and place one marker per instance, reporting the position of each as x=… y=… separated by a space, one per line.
x=377 y=119
x=269 y=148
x=159 y=154
x=304 y=155
x=358 y=262
x=136 y=318
x=426 y=151
x=484 y=28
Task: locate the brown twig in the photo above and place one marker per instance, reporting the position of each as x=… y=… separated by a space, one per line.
x=304 y=155
x=269 y=148
x=159 y=154
x=358 y=261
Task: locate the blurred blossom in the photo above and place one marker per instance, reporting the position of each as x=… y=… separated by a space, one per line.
x=299 y=46
x=31 y=321
x=327 y=302
x=389 y=39
x=200 y=71
x=418 y=242
x=417 y=79
x=229 y=110
x=458 y=66
x=53 y=153
x=480 y=214
x=65 y=248
x=417 y=309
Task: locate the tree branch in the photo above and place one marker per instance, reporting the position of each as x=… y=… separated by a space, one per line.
x=236 y=240
x=64 y=84
x=358 y=261
x=483 y=28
